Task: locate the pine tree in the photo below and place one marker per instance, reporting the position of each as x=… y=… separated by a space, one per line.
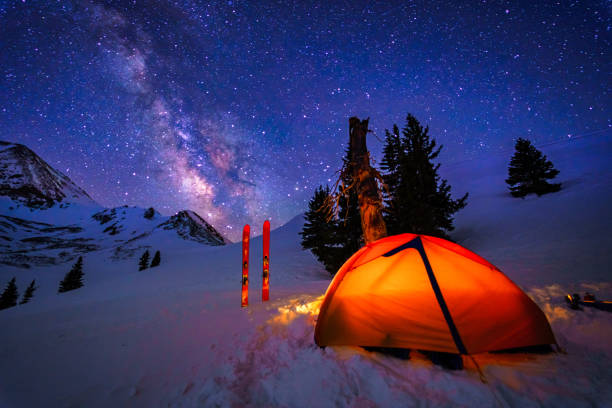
x=528 y=171
x=417 y=200
x=74 y=278
x=319 y=231
x=143 y=263
x=333 y=239
x=156 y=259
x=349 y=235
x=390 y=165
x=149 y=213
x=9 y=296
x=348 y=227
x=29 y=292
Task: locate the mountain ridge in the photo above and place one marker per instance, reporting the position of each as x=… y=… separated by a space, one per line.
x=26 y=178
x=45 y=218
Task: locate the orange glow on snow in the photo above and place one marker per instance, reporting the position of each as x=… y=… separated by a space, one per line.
x=288 y=313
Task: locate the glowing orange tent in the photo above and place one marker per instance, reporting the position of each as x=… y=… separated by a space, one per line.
x=426 y=293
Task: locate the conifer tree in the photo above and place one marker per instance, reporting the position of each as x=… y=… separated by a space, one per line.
x=528 y=171
x=156 y=259
x=348 y=227
x=143 y=263
x=390 y=165
x=9 y=296
x=29 y=292
x=333 y=238
x=348 y=231
x=149 y=213
x=74 y=278
x=319 y=231
x=417 y=200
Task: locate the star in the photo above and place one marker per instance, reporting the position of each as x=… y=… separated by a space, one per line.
x=220 y=107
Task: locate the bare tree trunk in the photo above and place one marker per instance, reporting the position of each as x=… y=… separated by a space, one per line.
x=364 y=177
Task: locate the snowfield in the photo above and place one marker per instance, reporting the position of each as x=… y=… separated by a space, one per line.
x=175 y=335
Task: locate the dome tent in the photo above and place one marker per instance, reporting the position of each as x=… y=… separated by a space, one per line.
x=426 y=293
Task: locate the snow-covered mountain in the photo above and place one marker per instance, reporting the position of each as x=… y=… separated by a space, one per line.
x=189 y=225
x=124 y=231
x=133 y=223
x=28 y=179
x=47 y=219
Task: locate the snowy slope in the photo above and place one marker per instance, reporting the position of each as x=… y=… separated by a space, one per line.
x=175 y=335
x=562 y=237
x=28 y=179
x=189 y=225
x=74 y=231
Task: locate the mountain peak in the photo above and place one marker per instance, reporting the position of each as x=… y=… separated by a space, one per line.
x=189 y=225
x=28 y=179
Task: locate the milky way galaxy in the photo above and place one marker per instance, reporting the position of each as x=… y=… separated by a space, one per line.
x=238 y=110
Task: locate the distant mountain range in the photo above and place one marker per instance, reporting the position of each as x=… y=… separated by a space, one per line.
x=45 y=218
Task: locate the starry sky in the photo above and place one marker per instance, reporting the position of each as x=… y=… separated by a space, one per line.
x=238 y=110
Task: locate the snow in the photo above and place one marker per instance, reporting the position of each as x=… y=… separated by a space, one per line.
x=23 y=169
x=63 y=232
x=556 y=236
x=175 y=335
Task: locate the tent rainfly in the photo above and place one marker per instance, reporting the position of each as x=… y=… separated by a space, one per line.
x=426 y=293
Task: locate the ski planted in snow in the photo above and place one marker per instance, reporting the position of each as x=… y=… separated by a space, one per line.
x=245 y=265
x=265 y=289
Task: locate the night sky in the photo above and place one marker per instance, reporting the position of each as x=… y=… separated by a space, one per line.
x=238 y=110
